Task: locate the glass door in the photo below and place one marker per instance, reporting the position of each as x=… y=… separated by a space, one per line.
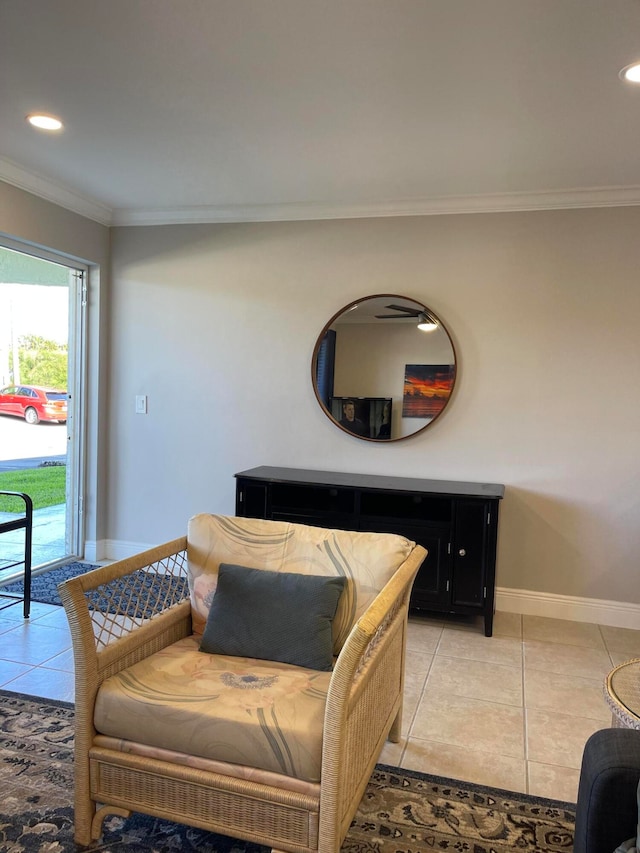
x=42 y=357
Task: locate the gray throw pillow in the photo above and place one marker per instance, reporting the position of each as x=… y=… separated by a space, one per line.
x=279 y=616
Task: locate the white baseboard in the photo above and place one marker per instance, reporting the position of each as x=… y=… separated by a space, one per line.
x=113 y=549
x=91 y=550
x=618 y=614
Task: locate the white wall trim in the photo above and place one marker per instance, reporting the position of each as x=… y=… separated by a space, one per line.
x=494 y=203
x=113 y=549
x=92 y=551
x=70 y=199
x=618 y=614
x=12 y=173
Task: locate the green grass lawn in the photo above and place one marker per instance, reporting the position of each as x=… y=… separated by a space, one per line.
x=45 y=487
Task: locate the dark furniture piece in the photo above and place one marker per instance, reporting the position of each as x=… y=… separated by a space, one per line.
x=22 y=522
x=607 y=807
x=456 y=522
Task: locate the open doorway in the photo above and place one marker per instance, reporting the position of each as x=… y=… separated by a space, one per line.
x=42 y=307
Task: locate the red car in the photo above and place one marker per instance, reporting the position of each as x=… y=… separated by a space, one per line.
x=34 y=403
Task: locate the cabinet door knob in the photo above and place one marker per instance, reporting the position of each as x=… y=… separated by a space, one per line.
x=462 y=552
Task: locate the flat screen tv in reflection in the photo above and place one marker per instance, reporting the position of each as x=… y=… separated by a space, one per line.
x=368 y=417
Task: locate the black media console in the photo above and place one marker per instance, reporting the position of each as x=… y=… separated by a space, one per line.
x=456 y=522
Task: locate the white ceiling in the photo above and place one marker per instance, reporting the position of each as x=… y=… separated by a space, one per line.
x=231 y=110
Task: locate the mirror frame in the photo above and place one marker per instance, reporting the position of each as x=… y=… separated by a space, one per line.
x=327 y=326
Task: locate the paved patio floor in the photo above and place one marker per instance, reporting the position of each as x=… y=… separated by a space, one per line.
x=48 y=541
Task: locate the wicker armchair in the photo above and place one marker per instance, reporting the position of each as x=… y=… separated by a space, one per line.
x=136 y=627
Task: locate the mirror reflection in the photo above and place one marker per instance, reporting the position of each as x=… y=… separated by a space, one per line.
x=384 y=368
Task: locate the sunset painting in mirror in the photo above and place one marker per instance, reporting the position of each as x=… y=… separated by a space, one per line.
x=427 y=388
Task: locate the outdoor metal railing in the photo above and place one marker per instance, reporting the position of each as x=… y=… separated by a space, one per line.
x=23 y=522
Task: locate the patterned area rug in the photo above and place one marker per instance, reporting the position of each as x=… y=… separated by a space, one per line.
x=44 y=587
x=148 y=588
x=401 y=811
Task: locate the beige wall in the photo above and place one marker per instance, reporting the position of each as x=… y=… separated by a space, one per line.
x=26 y=218
x=217 y=324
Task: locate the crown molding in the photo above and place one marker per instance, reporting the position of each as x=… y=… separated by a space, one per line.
x=17 y=176
x=45 y=188
x=495 y=203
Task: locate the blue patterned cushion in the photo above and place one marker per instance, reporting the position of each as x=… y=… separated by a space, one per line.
x=278 y=616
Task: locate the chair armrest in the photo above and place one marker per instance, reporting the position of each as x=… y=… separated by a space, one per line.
x=365 y=694
x=365 y=645
x=607 y=807
x=121 y=613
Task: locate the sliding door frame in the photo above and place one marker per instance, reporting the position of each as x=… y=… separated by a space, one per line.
x=77 y=372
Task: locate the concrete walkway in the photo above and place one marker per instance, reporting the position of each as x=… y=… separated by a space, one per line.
x=48 y=541
x=24 y=446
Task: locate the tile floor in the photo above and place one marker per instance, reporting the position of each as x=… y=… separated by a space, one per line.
x=511 y=711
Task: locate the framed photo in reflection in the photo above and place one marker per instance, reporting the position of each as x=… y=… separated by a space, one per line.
x=427 y=388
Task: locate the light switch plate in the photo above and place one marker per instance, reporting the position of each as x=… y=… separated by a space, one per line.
x=141 y=404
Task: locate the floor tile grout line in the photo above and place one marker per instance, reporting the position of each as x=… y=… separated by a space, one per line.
x=422 y=693
x=31 y=667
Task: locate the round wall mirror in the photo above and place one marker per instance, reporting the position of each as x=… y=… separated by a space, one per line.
x=384 y=368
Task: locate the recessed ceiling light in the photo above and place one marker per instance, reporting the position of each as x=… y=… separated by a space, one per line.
x=44 y=122
x=631 y=73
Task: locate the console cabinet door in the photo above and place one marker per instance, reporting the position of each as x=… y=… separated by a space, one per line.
x=468 y=578
x=431 y=588
x=251 y=499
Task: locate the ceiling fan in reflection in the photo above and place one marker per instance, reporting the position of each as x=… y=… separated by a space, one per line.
x=426 y=322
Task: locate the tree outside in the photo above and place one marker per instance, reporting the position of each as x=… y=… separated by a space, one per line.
x=33 y=321
x=41 y=362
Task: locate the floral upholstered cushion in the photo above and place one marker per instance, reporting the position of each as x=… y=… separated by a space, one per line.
x=366 y=560
x=238 y=710
x=278 y=616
